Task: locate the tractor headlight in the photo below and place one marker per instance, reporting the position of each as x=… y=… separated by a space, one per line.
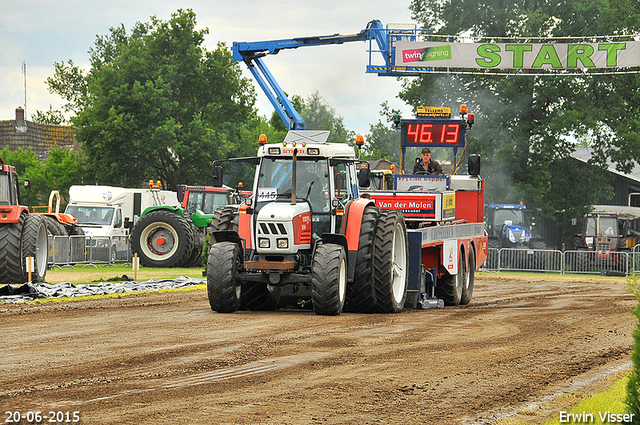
x=283 y=243
x=263 y=243
x=511 y=236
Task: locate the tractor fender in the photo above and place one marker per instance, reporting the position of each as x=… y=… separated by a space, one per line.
x=176 y=210
x=350 y=229
x=338 y=239
x=352 y=221
x=230 y=236
x=12 y=213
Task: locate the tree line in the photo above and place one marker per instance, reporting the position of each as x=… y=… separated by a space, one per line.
x=155 y=104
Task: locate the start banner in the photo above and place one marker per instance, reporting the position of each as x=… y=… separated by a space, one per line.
x=554 y=56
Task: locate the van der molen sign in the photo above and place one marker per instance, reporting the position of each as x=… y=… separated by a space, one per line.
x=558 y=56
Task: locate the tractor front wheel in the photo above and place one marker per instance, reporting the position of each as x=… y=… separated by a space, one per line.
x=329 y=279
x=223 y=289
x=451 y=287
x=469 y=278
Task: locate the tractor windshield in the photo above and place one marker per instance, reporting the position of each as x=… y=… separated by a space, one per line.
x=312 y=181
x=5 y=189
x=508 y=217
x=207 y=202
x=608 y=226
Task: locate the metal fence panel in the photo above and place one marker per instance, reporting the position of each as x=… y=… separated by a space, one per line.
x=535 y=260
x=59 y=250
x=70 y=250
x=78 y=249
x=594 y=262
x=581 y=262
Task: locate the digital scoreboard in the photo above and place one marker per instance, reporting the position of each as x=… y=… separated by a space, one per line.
x=430 y=132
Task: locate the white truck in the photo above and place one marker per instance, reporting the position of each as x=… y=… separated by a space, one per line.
x=107 y=213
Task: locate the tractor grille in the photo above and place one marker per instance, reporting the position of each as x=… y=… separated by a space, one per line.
x=275 y=229
x=518 y=235
x=603 y=244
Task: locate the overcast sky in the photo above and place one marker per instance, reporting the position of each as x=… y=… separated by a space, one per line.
x=41 y=32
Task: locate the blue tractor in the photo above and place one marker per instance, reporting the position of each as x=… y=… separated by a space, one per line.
x=511 y=226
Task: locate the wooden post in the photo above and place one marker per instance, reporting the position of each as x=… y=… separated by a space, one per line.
x=136 y=266
x=30 y=267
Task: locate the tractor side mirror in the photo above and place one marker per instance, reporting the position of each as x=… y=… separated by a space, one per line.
x=474 y=164
x=180 y=190
x=217 y=176
x=364 y=177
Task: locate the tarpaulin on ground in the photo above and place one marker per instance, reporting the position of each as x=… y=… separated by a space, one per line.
x=32 y=291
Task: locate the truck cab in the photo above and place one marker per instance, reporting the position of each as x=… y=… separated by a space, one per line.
x=106 y=215
x=98 y=220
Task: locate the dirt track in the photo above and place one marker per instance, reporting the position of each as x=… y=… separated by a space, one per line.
x=168 y=359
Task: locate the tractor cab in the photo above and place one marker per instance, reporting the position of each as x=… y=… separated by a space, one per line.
x=303 y=179
x=602 y=229
x=9 y=187
x=609 y=228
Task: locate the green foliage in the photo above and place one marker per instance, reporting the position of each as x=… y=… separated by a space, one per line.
x=51 y=117
x=156 y=104
x=318 y=115
x=59 y=171
x=526 y=127
x=276 y=122
x=633 y=386
x=70 y=82
x=383 y=141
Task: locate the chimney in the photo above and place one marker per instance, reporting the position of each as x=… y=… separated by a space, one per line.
x=21 y=124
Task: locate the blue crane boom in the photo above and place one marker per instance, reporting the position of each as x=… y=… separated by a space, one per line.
x=251 y=53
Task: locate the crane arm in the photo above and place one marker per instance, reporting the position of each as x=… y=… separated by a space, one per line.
x=243 y=51
x=252 y=53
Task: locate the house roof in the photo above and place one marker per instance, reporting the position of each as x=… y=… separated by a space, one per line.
x=381 y=164
x=584 y=154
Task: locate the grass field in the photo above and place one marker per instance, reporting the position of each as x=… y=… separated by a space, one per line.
x=103 y=273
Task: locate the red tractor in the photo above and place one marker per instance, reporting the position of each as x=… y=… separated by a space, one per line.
x=22 y=235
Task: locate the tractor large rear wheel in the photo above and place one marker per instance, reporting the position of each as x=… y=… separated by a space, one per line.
x=195 y=258
x=162 y=239
x=222 y=220
x=10 y=256
x=361 y=293
x=223 y=289
x=54 y=227
x=391 y=262
x=35 y=244
x=329 y=279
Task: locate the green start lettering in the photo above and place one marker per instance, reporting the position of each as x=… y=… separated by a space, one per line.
x=518 y=53
x=547 y=56
x=582 y=53
x=489 y=55
x=612 y=52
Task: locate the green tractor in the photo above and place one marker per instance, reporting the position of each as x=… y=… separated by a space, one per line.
x=174 y=236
